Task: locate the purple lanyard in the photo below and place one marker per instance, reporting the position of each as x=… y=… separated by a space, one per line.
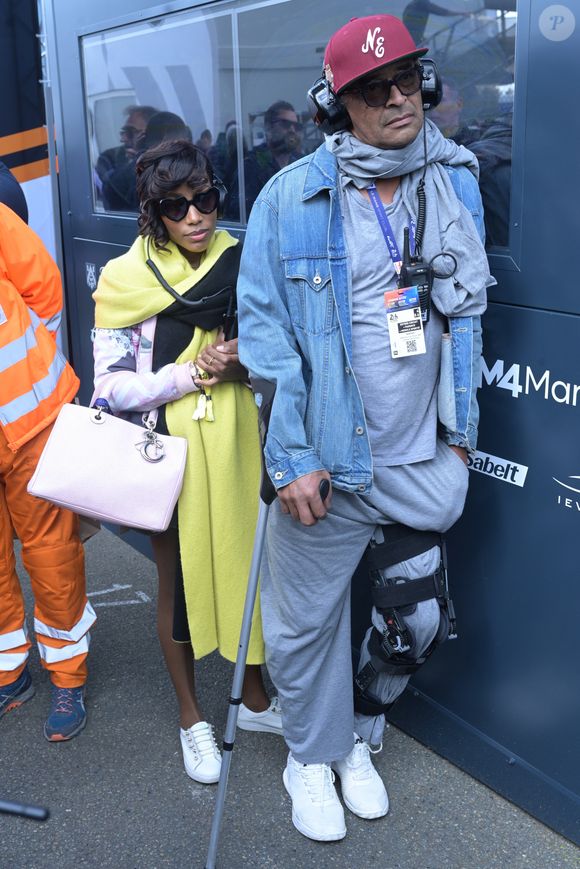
x=387 y=229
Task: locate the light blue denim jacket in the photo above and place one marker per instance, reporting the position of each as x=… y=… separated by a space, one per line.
x=295 y=330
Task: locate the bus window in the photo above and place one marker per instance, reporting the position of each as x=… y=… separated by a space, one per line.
x=477 y=68
x=169 y=77
x=233 y=77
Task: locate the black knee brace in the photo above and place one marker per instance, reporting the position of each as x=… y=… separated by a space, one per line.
x=395 y=598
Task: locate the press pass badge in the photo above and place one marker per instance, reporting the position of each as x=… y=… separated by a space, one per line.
x=404 y=321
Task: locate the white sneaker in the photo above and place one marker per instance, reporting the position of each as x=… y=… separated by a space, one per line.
x=268 y=721
x=201 y=755
x=316 y=809
x=362 y=788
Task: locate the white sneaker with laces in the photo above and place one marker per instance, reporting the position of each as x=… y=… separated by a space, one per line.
x=201 y=755
x=363 y=790
x=316 y=809
x=268 y=721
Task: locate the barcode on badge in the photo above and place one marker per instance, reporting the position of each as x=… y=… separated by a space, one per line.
x=411 y=346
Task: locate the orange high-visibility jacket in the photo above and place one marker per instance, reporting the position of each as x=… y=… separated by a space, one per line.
x=35 y=378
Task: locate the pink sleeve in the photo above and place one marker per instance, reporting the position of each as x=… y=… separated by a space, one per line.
x=116 y=378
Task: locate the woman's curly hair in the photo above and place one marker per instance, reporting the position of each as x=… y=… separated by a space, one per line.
x=160 y=170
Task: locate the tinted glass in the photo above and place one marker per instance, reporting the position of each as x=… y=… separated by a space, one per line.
x=234 y=77
x=475 y=56
x=167 y=78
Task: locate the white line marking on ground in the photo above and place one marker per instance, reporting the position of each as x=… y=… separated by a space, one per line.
x=118 y=603
x=114 y=587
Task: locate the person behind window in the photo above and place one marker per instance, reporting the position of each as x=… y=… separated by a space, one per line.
x=113 y=160
x=119 y=189
x=283 y=145
x=218 y=153
x=494 y=152
x=204 y=142
x=35 y=382
x=197 y=385
x=447 y=115
x=229 y=169
x=164 y=127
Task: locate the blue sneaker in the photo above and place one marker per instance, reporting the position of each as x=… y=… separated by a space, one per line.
x=14 y=695
x=67 y=715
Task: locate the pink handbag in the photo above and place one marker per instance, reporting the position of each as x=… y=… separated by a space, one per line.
x=107 y=468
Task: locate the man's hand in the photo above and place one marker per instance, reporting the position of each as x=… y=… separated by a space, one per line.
x=302 y=500
x=460 y=451
x=221 y=362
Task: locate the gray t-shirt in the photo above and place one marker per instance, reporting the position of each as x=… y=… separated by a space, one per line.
x=399 y=395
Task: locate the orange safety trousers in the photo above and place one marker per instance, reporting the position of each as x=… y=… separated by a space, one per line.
x=53 y=556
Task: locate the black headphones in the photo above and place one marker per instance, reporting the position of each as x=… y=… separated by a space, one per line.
x=330 y=114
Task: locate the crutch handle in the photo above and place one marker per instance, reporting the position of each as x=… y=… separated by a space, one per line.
x=264 y=391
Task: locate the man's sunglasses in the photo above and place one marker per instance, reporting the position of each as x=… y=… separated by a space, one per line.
x=376 y=92
x=176 y=209
x=287 y=125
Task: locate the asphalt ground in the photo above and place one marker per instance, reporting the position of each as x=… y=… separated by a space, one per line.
x=119 y=797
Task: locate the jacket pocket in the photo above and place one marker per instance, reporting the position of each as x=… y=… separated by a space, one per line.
x=446 y=409
x=310 y=294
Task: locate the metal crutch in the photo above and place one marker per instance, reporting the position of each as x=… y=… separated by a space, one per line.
x=267 y=496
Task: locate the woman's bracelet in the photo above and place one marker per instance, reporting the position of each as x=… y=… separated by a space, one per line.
x=195 y=372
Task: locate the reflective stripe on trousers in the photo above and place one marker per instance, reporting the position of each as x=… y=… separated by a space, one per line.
x=77 y=631
x=55 y=654
x=12 y=656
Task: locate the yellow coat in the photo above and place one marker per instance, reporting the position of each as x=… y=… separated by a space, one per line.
x=218 y=505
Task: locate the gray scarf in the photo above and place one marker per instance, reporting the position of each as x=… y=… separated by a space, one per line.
x=448 y=227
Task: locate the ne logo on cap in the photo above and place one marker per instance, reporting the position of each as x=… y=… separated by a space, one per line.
x=369 y=45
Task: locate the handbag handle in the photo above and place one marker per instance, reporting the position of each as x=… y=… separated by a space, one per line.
x=145 y=363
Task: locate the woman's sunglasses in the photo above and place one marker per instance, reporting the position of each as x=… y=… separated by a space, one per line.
x=177 y=208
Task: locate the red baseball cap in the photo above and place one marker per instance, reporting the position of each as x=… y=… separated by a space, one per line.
x=366 y=44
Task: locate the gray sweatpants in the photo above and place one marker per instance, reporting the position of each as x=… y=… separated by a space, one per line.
x=305 y=594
